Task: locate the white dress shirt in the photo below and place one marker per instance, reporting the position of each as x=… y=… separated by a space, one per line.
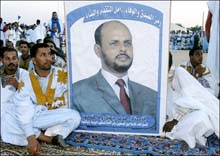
x=111 y=79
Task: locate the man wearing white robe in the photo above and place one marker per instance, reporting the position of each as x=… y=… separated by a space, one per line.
x=11 y=76
x=193 y=112
x=212 y=33
x=2 y=34
x=199 y=71
x=40 y=110
x=29 y=33
x=39 y=31
x=10 y=34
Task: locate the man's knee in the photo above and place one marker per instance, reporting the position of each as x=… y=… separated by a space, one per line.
x=200 y=116
x=75 y=117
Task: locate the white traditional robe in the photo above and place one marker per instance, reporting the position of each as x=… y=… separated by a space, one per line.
x=194 y=106
x=39 y=33
x=8 y=91
x=26 y=117
x=10 y=35
x=207 y=79
x=30 y=35
x=213 y=50
x=2 y=34
x=59 y=62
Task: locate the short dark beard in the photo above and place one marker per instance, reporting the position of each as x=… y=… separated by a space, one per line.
x=115 y=67
x=43 y=69
x=121 y=69
x=11 y=71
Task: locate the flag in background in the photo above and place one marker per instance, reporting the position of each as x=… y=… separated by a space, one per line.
x=19 y=17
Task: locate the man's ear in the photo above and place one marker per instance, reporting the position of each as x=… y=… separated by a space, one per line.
x=97 y=49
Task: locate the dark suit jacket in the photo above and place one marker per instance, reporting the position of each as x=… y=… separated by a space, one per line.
x=95 y=95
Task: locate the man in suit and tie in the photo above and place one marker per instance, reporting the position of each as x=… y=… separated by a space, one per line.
x=110 y=90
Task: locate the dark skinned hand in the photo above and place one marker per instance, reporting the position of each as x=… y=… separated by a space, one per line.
x=169 y=125
x=12 y=81
x=199 y=70
x=33 y=146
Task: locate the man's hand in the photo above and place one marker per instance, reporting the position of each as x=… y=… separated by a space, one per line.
x=12 y=81
x=199 y=70
x=33 y=146
x=169 y=125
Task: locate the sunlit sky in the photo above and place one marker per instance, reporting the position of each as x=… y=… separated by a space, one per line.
x=187 y=13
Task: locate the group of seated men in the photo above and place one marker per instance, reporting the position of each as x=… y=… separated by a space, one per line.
x=34 y=103
x=23 y=48
x=39 y=110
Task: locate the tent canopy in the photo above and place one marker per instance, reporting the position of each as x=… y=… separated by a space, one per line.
x=174 y=27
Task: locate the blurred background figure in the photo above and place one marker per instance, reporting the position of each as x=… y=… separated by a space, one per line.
x=2 y=35
x=212 y=33
x=40 y=31
x=55 y=29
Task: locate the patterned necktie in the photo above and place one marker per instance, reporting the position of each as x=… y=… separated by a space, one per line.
x=123 y=96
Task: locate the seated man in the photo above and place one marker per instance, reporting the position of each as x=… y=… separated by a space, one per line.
x=25 y=58
x=39 y=107
x=198 y=70
x=57 y=58
x=10 y=76
x=192 y=111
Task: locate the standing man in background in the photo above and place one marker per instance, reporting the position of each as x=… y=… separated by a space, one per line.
x=2 y=31
x=40 y=31
x=55 y=28
x=25 y=58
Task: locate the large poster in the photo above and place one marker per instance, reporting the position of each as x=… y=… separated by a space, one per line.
x=112 y=40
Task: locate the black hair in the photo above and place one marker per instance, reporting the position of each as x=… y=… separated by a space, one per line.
x=98 y=34
x=170 y=60
x=35 y=47
x=1 y=43
x=47 y=38
x=6 y=49
x=38 y=21
x=24 y=42
x=50 y=41
x=52 y=51
x=7 y=42
x=192 y=51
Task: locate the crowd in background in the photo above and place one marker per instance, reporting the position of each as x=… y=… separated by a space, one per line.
x=181 y=40
x=22 y=37
x=34 y=33
x=195 y=99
